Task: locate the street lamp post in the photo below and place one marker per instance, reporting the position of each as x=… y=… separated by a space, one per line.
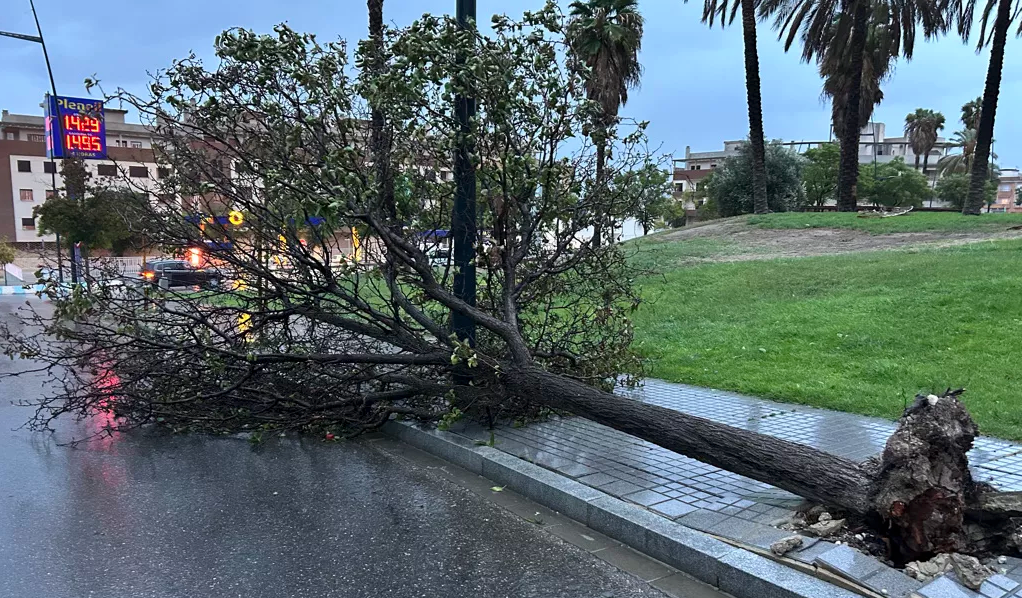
x=463 y=218
x=53 y=87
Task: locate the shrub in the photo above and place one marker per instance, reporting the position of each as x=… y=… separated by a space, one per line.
x=730 y=188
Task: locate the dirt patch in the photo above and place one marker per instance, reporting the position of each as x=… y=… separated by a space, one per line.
x=752 y=243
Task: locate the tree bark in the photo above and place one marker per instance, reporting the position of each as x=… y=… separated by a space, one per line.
x=848 y=172
x=752 y=87
x=797 y=468
x=985 y=135
x=379 y=138
x=601 y=164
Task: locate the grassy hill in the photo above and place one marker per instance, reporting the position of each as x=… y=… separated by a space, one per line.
x=863 y=331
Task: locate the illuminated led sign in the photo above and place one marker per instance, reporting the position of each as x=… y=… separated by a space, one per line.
x=75 y=128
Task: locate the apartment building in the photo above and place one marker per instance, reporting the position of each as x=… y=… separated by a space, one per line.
x=27 y=177
x=874 y=144
x=1008 y=190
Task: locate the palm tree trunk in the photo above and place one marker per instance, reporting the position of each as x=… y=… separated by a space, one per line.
x=752 y=87
x=378 y=127
x=926 y=159
x=601 y=159
x=848 y=170
x=917 y=161
x=985 y=135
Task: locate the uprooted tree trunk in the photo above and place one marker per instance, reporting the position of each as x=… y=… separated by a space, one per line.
x=919 y=491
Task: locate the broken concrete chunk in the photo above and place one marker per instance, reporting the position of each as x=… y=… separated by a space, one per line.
x=782 y=547
x=826 y=527
x=927 y=570
x=970 y=571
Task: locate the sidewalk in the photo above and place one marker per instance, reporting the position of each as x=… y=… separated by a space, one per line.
x=718 y=502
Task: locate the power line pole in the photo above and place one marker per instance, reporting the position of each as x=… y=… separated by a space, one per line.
x=463 y=218
x=53 y=87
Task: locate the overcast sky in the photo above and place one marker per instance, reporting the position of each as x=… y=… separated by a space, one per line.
x=692 y=92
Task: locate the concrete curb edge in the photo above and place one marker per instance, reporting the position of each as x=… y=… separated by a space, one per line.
x=738 y=572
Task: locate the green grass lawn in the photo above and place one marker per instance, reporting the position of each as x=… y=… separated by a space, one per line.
x=912 y=222
x=859 y=332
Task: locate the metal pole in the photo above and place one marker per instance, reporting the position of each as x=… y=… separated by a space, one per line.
x=60 y=135
x=463 y=218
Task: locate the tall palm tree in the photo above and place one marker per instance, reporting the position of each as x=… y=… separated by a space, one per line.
x=713 y=9
x=606 y=36
x=1006 y=13
x=970 y=113
x=921 y=128
x=836 y=34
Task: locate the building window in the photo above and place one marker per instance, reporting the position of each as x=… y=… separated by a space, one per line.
x=136 y=144
x=699 y=166
x=50 y=194
x=713 y=165
x=11 y=135
x=106 y=169
x=37 y=138
x=138 y=172
x=49 y=167
x=1005 y=188
x=162 y=172
x=28 y=224
x=26 y=195
x=24 y=166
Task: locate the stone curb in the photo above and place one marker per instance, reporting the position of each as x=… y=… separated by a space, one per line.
x=738 y=572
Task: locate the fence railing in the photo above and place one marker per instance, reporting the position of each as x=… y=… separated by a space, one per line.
x=122 y=266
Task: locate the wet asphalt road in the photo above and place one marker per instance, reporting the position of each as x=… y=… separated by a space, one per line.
x=151 y=515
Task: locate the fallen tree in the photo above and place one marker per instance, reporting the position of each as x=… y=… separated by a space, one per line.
x=335 y=299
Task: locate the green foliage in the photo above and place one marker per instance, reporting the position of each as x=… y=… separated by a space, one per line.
x=7 y=252
x=101 y=218
x=646 y=192
x=674 y=214
x=893 y=184
x=820 y=173
x=1018 y=196
x=865 y=322
x=731 y=186
x=954 y=188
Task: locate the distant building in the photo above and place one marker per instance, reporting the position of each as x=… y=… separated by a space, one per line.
x=873 y=143
x=1007 y=191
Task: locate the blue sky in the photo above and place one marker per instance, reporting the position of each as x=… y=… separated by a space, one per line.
x=692 y=92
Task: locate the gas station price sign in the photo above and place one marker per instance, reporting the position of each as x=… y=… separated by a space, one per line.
x=75 y=128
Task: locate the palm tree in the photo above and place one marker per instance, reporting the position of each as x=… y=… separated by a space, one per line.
x=988 y=109
x=837 y=34
x=921 y=128
x=970 y=113
x=606 y=36
x=876 y=68
x=711 y=10
x=964 y=140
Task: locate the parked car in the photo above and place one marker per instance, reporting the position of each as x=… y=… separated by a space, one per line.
x=178 y=273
